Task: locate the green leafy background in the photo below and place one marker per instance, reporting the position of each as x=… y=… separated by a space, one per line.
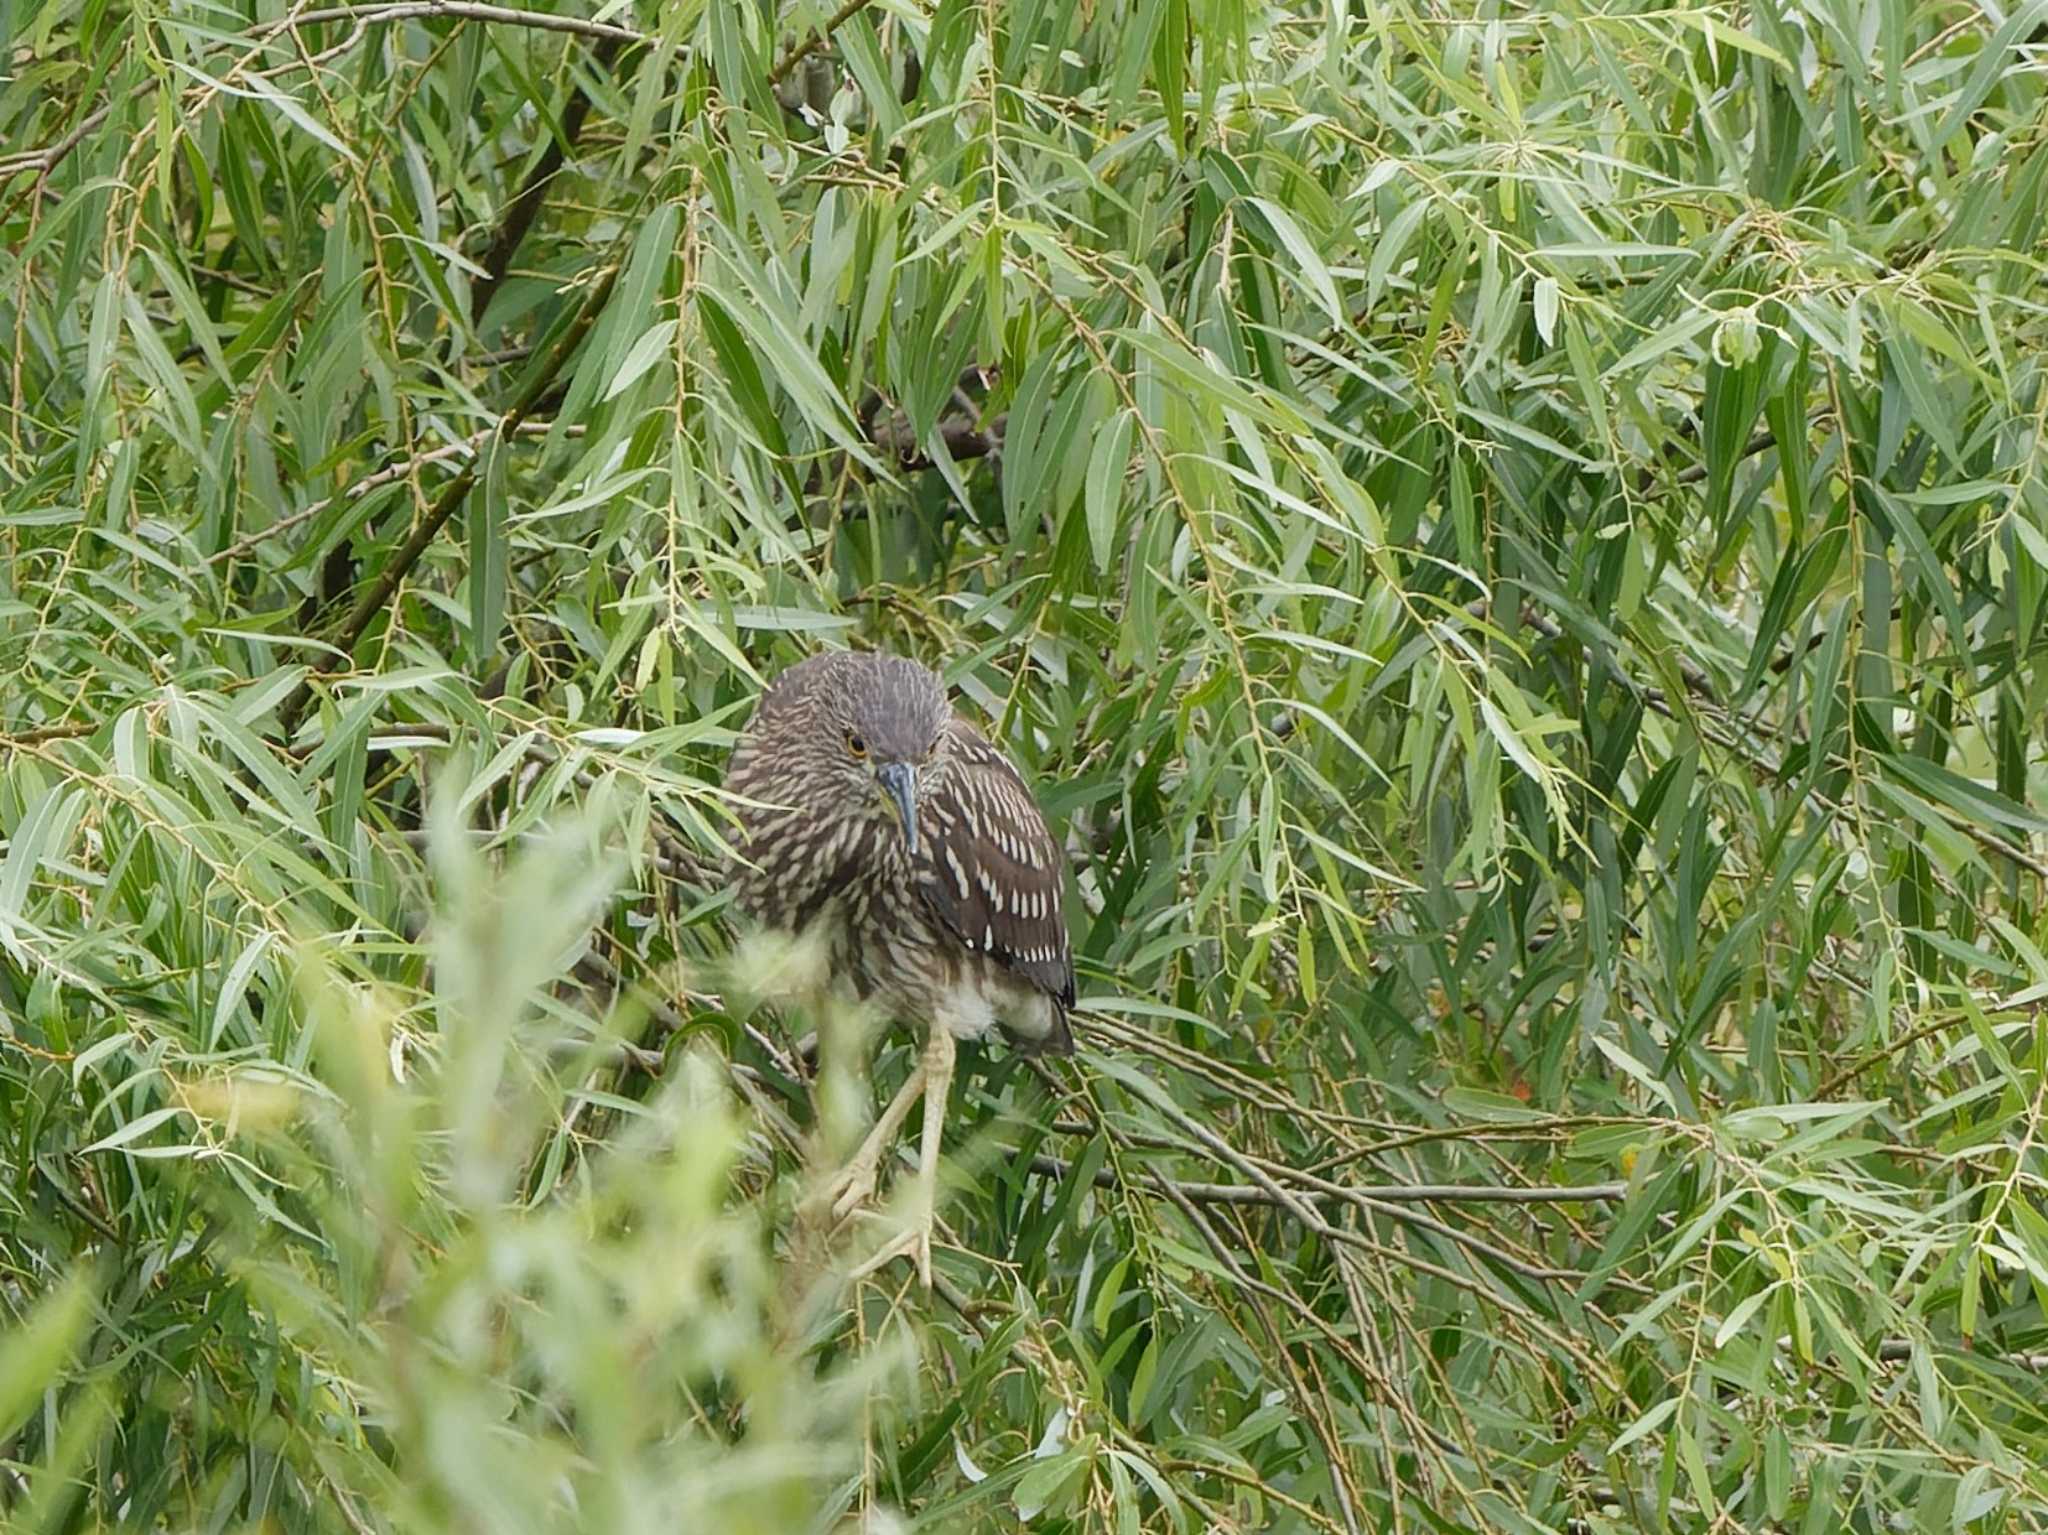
x=1512 y=542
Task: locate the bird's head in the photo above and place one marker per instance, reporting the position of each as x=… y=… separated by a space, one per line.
x=888 y=724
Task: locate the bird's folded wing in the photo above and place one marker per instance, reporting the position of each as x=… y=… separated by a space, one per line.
x=990 y=868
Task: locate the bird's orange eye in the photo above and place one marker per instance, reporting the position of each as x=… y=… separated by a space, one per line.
x=856 y=745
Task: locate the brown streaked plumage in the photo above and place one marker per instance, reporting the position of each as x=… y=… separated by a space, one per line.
x=873 y=815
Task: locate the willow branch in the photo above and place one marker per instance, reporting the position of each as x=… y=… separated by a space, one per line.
x=400 y=565
x=817 y=40
x=519 y=214
x=369 y=482
x=1390 y=1193
x=465 y=10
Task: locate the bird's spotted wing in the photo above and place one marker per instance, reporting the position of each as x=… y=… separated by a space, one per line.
x=989 y=867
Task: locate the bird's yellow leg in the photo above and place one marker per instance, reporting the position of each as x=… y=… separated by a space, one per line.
x=854 y=1184
x=938 y=1087
x=915 y=1240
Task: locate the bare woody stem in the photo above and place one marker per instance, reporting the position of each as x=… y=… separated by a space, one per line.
x=519 y=214
x=817 y=40
x=449 y=501
x=1391 y=1193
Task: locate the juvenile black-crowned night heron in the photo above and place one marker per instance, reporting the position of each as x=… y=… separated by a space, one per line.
x=875 y=818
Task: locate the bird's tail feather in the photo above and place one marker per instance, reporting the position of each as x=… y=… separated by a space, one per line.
x=1059 y=1040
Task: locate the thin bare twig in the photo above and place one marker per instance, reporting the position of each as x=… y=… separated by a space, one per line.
x=817 y=40
x=1339 y=1466
x=1904 y=1042
x=399 y=566
x=1698 y=684
x=519 y=214
x=381 y=477
x=467 y=10
x=42 y=733
x=1892 y=1350
x=44 y=161
x=1391 y=1193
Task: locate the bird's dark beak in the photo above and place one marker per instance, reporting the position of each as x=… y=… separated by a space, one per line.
x=899 y=782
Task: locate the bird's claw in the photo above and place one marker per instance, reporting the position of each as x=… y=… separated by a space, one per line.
x=839 y=1199
x=857 y=1192
x=848 y=1195
x=914 y=1242
x=841 y=1196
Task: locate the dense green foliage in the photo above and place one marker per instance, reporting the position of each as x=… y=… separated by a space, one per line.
x=1513 y=543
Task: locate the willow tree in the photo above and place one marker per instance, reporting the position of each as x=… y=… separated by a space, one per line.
x=1514 y=542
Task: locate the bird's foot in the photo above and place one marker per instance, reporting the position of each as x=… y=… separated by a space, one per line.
x=837 y=1198
x=835 y=1201
x=914 y=1242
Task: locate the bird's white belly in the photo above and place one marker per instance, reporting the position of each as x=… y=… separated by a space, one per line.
x=975 y=1004
x=969 y=998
